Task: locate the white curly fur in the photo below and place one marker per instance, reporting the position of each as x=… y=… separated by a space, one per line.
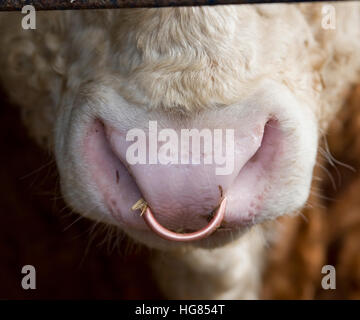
x=183 y=59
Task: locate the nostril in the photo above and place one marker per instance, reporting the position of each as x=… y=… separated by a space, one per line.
x=269 y=144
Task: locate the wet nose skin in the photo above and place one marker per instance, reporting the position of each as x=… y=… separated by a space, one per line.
x=182 y=196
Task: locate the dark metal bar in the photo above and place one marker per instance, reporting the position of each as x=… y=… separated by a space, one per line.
x=13 y=5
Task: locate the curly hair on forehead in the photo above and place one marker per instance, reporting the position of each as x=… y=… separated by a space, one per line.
x=183 y=56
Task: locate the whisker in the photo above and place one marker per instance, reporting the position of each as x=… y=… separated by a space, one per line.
x=328 y=174
x=38 y=169
x=334 y=160
x=329 y=160
x=322 y=196
x=71 y=224
x=304 y=217
x=316 y=178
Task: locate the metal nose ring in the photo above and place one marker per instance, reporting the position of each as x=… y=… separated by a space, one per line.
x=167 y=234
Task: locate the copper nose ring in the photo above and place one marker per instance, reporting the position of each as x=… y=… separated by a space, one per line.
x=167 y=234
